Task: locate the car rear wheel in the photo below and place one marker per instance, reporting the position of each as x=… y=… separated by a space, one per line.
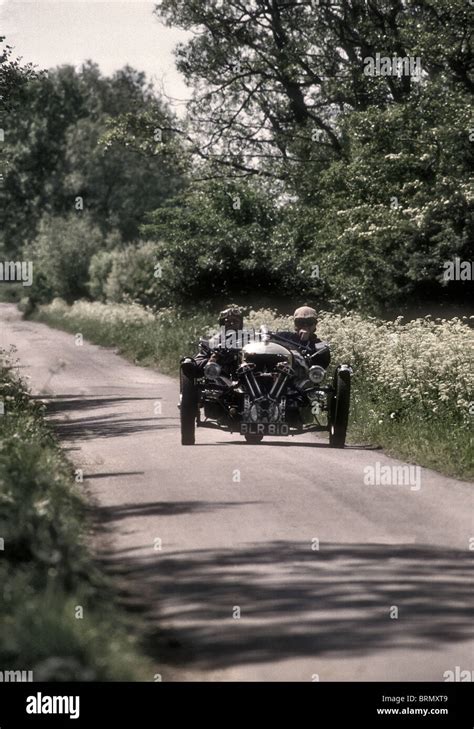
x=253 y=438
x=188 y=410
x=339 y=409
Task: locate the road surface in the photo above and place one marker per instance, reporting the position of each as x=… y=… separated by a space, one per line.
x=256 y=562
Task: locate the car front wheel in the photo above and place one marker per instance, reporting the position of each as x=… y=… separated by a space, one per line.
x=339 y=409
x=188 y=410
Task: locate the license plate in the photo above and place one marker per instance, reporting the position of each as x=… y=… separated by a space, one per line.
x=264 y=429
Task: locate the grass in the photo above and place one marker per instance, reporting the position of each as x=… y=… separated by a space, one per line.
x=445 y=445
x=412 y=387
x=142 y=337
x=12 y=292
x=47 y=571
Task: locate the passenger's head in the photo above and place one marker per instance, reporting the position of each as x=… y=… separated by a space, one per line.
x=232 y=318
x=305 y=319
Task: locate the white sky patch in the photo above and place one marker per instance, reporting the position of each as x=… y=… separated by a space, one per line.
x=113 y=33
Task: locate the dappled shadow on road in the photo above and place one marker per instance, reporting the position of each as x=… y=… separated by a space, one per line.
x=72 y=420
x=164 y=508
x=262 y=444
x=61 y=403
x=112 y=425
x=113 y=474
x=338 y=601
x=286 y=443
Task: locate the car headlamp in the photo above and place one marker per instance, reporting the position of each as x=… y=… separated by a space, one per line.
x=212 y=370
x=316 y=374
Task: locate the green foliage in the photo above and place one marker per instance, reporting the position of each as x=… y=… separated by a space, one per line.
x=46 y=569
x=216 y=239
x=157 y=339
x=100 y=267
x=267 y=75
x=374 y=171
x=294 y=173
x=136 y=275
x=13 y=76
x=382 y=223
x=54 y=153
x=61 y=254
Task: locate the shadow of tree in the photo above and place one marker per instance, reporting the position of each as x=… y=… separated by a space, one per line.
x=296 y=602
x=112 y=425
x=110 y=514
x=106 y=425
x=60 y=403
x=285 y=444
x=112 y=474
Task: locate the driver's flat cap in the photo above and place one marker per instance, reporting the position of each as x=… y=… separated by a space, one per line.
x=305 y=312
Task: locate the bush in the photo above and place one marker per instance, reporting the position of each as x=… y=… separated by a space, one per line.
x=217 y=239
x=137 y=275
x=61 y=255
x=100 y=268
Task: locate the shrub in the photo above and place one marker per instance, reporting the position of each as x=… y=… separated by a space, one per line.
x=61 y=254
x=137 y=275
x=100 y=268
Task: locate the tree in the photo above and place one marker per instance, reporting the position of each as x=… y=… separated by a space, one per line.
x=13 y=76
x=371 y=172
x=58 y=160
x=271 y=77
x=381 y=224
x=215 y=243
x=61 y=255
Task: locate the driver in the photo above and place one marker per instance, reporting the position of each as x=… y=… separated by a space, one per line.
x=305 y=320
x=231 y=320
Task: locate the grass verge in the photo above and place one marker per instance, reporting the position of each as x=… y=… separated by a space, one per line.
x=58 y=613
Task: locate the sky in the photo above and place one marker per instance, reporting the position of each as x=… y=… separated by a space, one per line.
x=111 y=33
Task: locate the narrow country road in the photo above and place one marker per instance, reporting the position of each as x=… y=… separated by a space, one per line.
x=197 y=534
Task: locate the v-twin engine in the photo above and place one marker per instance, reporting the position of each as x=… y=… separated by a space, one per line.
x=263 y=405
